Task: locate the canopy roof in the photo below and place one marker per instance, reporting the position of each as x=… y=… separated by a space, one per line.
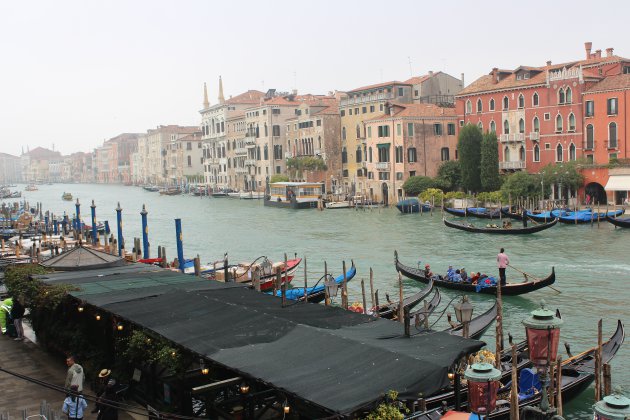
x=82 y=258
x=337 y=360
x=618 y=183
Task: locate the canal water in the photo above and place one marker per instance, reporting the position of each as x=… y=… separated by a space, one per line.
x=592 y=263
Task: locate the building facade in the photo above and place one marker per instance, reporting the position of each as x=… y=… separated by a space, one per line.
x=10 y=169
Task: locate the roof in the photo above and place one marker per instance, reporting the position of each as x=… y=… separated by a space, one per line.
x=43 y=153
x=249 y=97
x=618 y=82
x=82 y=258
x=379 y=85
x=417 y=110
x=419 y=79
x=251 y=334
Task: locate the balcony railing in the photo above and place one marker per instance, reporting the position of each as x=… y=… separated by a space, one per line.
x=250 y=141
x=510 y=138
x=534 y=135
x=504 y=138
x=241 y=170
x=240 y=151
x=519 y=137
x=367 y=98
x=250 y=162
x=519 y=164
x=382 y=166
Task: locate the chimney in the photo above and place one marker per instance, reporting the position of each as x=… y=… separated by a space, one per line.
x=587 y=47
x=495 y=71
x=463 y=84
x=548 y=63
x=598 y=53
x=609 y=52
x=430 y=72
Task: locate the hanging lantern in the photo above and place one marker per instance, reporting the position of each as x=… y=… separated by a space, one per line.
x=286 y=408
x=98 y=317
x=244 y=388
x=543 y=336
x=80 y=309
x=483 y=384
x=612 y=407
x=463 y=311
x=120 y=327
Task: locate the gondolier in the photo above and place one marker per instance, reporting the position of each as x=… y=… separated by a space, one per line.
x=502 y=263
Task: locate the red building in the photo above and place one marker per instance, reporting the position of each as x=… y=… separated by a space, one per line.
x=537 y=112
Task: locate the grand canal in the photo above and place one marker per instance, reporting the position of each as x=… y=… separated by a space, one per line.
x=592 y=263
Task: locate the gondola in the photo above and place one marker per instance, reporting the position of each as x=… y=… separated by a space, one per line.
x=412 y=205
x=478 y=325
x=390 y=310
x=479 y=212
x=622 y=223
x=510 y=289
x=317 y=293
x=515 y=230
x=572 y=217
x=506 y=211
x=425 y=312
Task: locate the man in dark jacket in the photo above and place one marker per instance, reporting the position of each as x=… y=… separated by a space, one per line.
x=17 y=313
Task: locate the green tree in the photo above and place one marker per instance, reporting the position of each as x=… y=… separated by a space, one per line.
x=469 y=146
x=278 y=178
x=415 y=185
x=566 y=174
x=450 y=173
x=521 y=184
x=490 y=180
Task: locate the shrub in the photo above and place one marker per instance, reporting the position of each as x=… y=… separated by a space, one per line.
x=432 y=195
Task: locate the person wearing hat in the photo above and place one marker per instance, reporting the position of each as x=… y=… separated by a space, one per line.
x=103 y=378
x=108 y=406
x=74 y=404
x=427 y=271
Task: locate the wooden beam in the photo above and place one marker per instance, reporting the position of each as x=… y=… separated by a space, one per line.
x=216 y=385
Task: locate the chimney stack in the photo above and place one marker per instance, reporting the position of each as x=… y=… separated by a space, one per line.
x=609 y=52
x=495 y=72
x=548 y=63
x=463 y=84
x=587 y=47
x=430 y=72
x=598 y=53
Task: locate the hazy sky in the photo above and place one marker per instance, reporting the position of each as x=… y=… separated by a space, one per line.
x=76 y=73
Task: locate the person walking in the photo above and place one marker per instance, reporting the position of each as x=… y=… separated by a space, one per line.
x=502 y=263
x=108 y=408
x=74 y=404
x=17 y=313
x=75 y=374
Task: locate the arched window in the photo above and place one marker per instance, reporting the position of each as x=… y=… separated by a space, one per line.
x=257 y=152
x=571 y=122
x=521 y=101
x=559 y=153
x=358 y=131
x=493 y=127
x=506 y=127
x=536 y=124
x=612 y=135
x=521 y=125
x=266 y=130
x=319 y=142
x=521 y=154
x=480 y=125
x=229 y=163
x=568 y=96
x=343 y=133
x=491 y=106
x=444 y=153
x=535 y=99
x=506 y=154
x=266 y=152
x=370 y=154
x=479 y=106
x=468 y=107
x=590 y=137
x=344 y=155
x=506 y=103
x=536 y=153
x=572 y=152
x=561 y=96
x=558 y=123
x=358 y=155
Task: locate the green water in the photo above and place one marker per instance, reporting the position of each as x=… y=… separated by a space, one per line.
x=592 y=264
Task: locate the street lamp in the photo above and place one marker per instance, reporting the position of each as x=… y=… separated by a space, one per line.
x=612 y=407
x=483 y=384
x=543 y=334
x=463 y=312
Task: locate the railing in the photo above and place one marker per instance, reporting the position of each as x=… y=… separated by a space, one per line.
x=504 y=138
x=534 y=135
x=519 y=164
x=242 y=170
x=366 y=99
x=250 y=162
x=382 y=166
x=240 y=151
x=250 y=141
x=519 y=137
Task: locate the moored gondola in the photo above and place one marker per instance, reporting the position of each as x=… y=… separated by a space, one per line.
x=510 y=289
x=425 y=311
x=479 y=212
x=619 y=222
x=317 y=293
x=499 y=230
x=412 y=205
x=390 y=310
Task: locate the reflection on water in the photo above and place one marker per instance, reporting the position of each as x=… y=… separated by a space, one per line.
x=592 y=264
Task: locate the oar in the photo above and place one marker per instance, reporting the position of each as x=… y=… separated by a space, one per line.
x=534 y=277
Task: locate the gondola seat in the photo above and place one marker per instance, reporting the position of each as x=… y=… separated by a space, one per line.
x=528 y=384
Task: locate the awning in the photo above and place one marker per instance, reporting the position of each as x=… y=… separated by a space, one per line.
x=618 y=183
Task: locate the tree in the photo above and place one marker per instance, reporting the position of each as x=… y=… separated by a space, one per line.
x=278 y=178
x=469 y=146
x=489 y=173
x=521 y=184
x=566 y=174
x=414 y=185
x=450 y=173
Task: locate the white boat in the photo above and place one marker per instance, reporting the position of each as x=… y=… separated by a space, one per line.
x=252 y=195
x=339 y=205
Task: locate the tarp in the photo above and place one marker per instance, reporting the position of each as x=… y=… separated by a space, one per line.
x=618 y=183
x=82 y=258
x=335 y=359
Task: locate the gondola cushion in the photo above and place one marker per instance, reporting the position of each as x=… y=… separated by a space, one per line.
x=528 y=384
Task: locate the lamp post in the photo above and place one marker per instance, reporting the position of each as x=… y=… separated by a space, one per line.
x=543 y=334
x=483 y=384
x=463 y=312
x=612 y=407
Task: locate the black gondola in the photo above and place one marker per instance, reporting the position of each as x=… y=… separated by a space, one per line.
x=478 y=325
x=479 y=212
x=619 y=222
x=510 y=289
x=390 y=310
x=505 y=211
x=515 y=230
x=424 y=312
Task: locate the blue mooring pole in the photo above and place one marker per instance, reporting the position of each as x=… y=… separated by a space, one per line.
x=46 y=219
x=180 y=243
x=93 y=207
x=64 y=223
x=55 y=226
x=145 y=232
x=78 y=208
x=120 y=235
x=107 y=231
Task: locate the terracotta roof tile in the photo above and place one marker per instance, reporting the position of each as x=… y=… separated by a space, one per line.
x=43 y=153
x=418 y=110
x=419 y=79
x=621 y=81
x=249 y=97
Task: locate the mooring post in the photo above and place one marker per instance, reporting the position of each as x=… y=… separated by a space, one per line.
x=120 y=232
x=514 y=390
x=327 y=292
x=226 y=272
x=406 y=322
x=344 y=289
x=598 y=364
x=283 y=289
x=372 y=289
x=376 y=306
x=93 y=210
x=145 y=232
x=256 y=277
x=180 y=244
x=607 y=380
x=197 y=266
x=305 y=283
x=363 y=295
x=401 y=298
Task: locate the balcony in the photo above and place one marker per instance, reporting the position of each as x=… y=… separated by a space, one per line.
x=511 y=138
x=250 y=162
x=363 y=164
x=382 y=166
x=534 y=135
x=288 y=155
x=519 y=164
x=519 y=137
x=504 y=138
x=241 y=170
x=240 y=151
x=250 y=141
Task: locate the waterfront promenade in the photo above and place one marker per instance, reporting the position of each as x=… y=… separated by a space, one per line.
x=27 y=358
